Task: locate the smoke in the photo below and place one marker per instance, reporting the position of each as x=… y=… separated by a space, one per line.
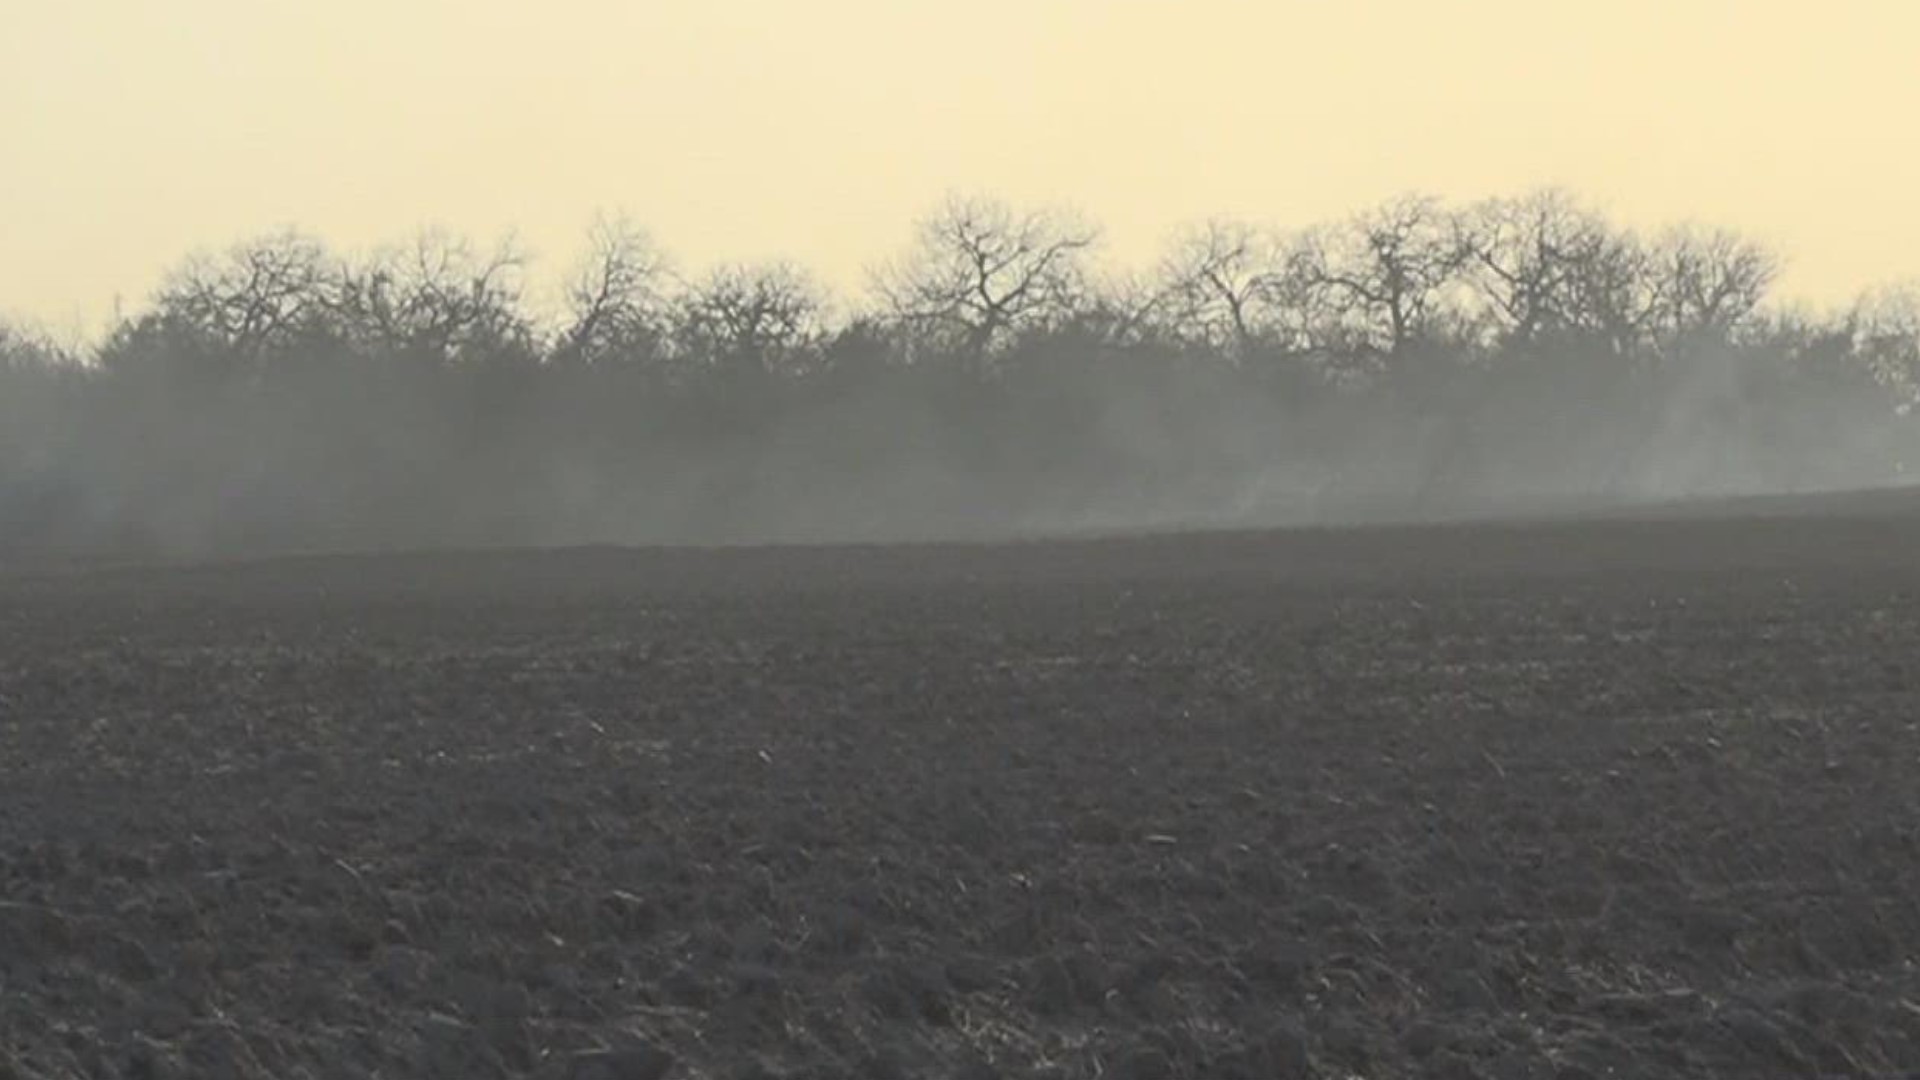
x=106 y=463
x=280 y=402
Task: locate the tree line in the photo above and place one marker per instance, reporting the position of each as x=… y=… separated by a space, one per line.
x=995 y=377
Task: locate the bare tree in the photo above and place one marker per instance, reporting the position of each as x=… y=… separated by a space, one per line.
x=255 y=295
x=24 y=348
x=1125 y=308
x=1612 y=293
x=614 y=296
x=979 y=271
x=1386 y=270
x=439 y=298
x=1885 y=325
x=1544 y=263
x=753 y=318
x=1705 y=282
x=1223 y=282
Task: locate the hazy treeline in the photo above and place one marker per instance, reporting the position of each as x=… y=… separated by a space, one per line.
x=1417 y=358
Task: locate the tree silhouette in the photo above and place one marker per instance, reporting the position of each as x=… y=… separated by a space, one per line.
x=1884 y=331
x=1385 y=270
x=753 y=320
x=615 y=302
x=979 y=271
x=439 y=300
x=1225 y=283
x=1706 y=281
x=1545 y=265
x=1415 y=354
x=255 y=296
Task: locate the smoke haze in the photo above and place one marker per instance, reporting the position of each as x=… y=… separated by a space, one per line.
x=1415 y=361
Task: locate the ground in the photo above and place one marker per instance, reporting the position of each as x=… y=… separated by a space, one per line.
x=1555 y=800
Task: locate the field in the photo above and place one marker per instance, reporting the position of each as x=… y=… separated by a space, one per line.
x=1564 y=800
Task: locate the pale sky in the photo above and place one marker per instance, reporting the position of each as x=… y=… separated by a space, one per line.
x=135 y=131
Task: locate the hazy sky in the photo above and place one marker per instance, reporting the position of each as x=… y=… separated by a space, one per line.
x=133 y=131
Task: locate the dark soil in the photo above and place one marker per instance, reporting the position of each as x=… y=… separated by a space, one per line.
x=1565 y=801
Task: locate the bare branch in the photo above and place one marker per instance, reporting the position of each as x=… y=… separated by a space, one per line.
x=979 y=271
x=756 y=318
x=1225 y=281
x=614 y=296
x=1385 y=270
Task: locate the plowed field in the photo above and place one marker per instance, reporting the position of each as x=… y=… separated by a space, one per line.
x=1557 y=800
